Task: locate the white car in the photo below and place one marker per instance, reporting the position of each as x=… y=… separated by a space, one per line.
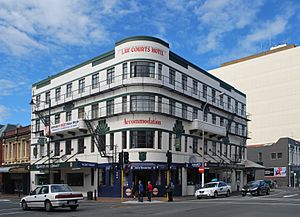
x=51 y=196
x=213 y=189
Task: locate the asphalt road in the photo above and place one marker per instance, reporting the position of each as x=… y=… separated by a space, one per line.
x=280 y=203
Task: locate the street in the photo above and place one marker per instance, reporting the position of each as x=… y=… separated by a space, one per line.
x=280 y=203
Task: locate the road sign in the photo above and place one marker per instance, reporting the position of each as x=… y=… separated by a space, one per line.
x=201 y=169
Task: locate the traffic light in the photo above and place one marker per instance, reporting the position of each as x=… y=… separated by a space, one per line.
x=121 y=159
x=169 y=159
x=126 y=157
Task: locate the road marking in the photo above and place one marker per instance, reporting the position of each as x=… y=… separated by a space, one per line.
x=9 y=209
x=4 y=200
x=10 y=213
x=292 y=195
x=246 y=202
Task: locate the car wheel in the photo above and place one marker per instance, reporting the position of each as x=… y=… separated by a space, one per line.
x=215 y=194
x=198 y=197
x=48 y=206
x=243 y=194
x=258 y=192
x=228 y=193
x=24 y=205
x=73 y=208
x=268 y=192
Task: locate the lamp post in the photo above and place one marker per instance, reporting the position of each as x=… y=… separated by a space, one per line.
x=204 y=107
x=46 y=123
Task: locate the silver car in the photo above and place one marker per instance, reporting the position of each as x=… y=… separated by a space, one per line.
x=214 y=189
x=51 y=196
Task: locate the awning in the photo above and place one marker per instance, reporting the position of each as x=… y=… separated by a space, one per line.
x=6 y=169
x=252 y=165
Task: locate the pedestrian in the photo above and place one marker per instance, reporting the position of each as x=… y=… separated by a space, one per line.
x=149 y=191
x=133 y=191
x=141 y=191
x=238 y=185
x=170 y=190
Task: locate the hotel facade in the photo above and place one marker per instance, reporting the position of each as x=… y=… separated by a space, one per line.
x=143 y=99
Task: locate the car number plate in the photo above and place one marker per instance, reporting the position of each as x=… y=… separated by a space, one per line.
x=72 y=202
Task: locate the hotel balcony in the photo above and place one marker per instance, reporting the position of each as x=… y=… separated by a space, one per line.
x=208 y=128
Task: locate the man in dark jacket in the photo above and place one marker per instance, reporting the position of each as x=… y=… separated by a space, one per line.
x=141 y=191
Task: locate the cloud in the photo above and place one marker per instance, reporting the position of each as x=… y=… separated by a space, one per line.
x=9 y=87
x=31 y=25
x=219 y=17
x=4 y=113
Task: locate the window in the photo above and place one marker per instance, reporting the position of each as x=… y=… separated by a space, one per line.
x=195 y=145
x=42 y=150
x=172 y=76
x=236 y=106
x=81 y=85
x=142 y=139
x=159 y=104
x=159 y=137
x=75 y=179
x=110 y=75
x=225 y=150
x=81 y=113
x=110 y=107
x=185 y=143
x=142 y=103
x=124 y=140
x=92 y=144
x=204 y=91
x=44 y=190
x=95 y=81
x=57 y=119
x=178 y=143
x=69 y=90
x=159 y=72
x=221 y=122
x=38 y=100
x=279 y=155
x=195 y=113
x=221 y=147
x=172 y=107
x=273 y=156
x=102 y=142
x=184 y=82
x=68 y=116
x=56 y=148
x=205 y=116
x=125 y=71
x=95 y=109
x=214 y=148
x=80 y=146
x=184 y=111
x=221 y=100
x=236 y=129
x=47 y=97
x=205 y=146
x=112 y=141
x=57 y=94
x=142 y=69
x=170 y=141
x=37 y=125
x=229 y=103
x=68 y=146
x=214 y=119
x=124 y=104
x=213 y=95
x=243 y=109
x=259 y=156
x=195 y=87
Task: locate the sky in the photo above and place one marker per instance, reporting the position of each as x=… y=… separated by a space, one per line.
x=40 y=38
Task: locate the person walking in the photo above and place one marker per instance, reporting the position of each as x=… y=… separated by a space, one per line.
x=149 y=191
x=170 y=191
x=141 y=191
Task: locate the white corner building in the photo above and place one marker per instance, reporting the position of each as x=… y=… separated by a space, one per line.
x=143 y=99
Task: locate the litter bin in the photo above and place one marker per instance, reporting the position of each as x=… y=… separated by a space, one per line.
x=90 y=195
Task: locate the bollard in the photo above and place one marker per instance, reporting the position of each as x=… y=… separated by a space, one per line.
x=95 y=193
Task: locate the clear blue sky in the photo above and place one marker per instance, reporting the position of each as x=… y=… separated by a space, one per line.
x=39 y=38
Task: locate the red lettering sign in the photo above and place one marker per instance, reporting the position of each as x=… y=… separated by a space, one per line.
x=143 y=49
x=145 y=121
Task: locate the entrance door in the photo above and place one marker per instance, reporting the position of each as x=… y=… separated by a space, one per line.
x=143 y=175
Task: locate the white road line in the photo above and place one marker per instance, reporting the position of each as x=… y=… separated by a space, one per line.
x=10 y=209
x=292 y=195
x=10 y=213
x=247 y=203
x=4 y=200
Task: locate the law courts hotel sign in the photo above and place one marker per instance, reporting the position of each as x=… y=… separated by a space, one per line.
x=142 y=49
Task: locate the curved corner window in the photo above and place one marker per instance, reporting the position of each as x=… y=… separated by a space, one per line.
x=142 y=139
x=142 y=69
x=142 y=103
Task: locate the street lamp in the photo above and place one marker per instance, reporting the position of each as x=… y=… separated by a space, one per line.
x=47 y=124
x=212 y=99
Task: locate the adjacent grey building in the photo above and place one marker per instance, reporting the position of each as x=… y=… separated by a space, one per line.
x=281 y=160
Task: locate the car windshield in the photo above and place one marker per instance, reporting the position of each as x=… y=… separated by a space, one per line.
x=60 y=188
x=210 y=185
x=253 y=183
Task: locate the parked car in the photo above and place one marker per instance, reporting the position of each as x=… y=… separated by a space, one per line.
x=51 y=196
x=213 y=189
x=257 y=187
x=270 y=182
